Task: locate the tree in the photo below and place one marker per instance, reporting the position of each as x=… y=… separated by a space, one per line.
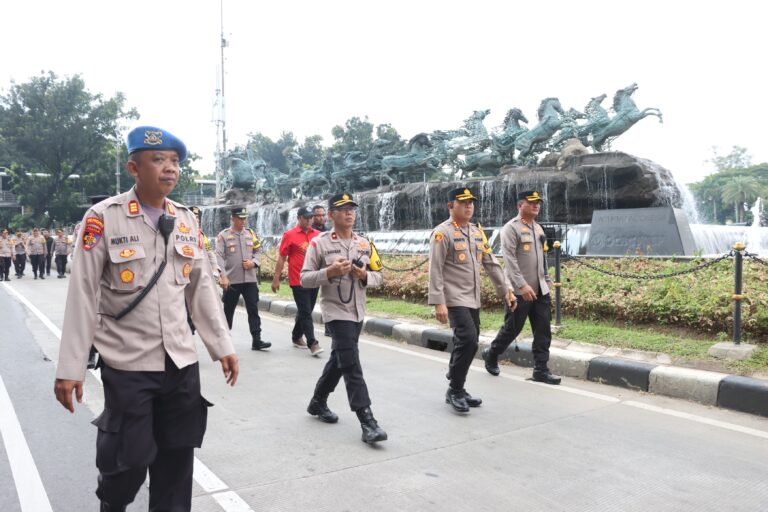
x=272 y=152
x=355 y=135
x=312 y=151
x=56 y=137
x=739 y=191
x=738 y=158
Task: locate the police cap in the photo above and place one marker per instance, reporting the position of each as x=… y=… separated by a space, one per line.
x=340 y=200
x=529 y=195
x=240 y=212
x=461 y=194
x=143 y=138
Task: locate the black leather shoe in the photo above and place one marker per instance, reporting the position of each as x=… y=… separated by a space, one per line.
x=456 y=400
x=42 y=276
x=372 y=432
x=491 y=362
x=471 y=400
x=321 y=410
x=546 y=376
x=260 y=345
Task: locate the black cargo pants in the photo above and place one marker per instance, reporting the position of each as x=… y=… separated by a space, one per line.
x=465 y=323
x=344 y=362
x=151 y=420
x=539 y=314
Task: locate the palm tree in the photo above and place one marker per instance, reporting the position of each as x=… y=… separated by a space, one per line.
x=739 y=191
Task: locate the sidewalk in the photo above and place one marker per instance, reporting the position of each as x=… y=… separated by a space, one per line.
x=640 y=371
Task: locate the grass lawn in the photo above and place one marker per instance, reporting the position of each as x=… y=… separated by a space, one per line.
x=676 y=343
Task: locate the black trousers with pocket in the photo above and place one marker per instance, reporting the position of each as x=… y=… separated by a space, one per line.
x=305 y=299
x=250 y=293
x=539 y=314
x=344 y=361
x=151 y=421
x=465 y=323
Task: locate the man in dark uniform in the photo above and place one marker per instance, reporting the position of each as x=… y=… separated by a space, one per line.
x=48 y=252
x=237 y=253
x=20 y=253
x=318 y=218
x=524 y=244
x=154 y=415
x=343 y=264
x=457 y=250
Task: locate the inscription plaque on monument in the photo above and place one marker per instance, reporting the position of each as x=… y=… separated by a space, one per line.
x=640 y=231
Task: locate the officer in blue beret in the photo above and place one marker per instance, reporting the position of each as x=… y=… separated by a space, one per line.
x=150 y=137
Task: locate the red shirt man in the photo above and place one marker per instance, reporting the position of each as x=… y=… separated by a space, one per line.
x=293 y=247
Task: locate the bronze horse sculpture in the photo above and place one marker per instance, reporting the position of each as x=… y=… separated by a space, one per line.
x=549 y=114
x=627 y=114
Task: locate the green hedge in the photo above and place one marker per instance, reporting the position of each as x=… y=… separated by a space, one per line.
x=700 y=301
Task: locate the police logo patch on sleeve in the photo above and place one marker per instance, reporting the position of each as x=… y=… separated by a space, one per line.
x=439 y=237
x=92 y=232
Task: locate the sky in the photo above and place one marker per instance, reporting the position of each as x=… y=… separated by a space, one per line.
x=306 y=66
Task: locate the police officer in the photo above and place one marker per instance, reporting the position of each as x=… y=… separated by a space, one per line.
x=524 y=245
x=62 y=248
x=154 y=415
x=6 y=255
x=48 y=251
x=36 y=247
x=343 y=264
x=457 y=250
x=20 y=253
x=237 y=252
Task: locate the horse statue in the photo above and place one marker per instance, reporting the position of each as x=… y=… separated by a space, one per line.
x=569 y=129
x=244 y=174
x=476 y=138
x=627 y=114
x=549 y=114
x=317 y=180
x=597 y=119
x=418 y=158
x=503 y=144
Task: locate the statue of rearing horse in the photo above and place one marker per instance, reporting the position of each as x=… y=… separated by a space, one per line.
x=549 y=112
x=627 y=114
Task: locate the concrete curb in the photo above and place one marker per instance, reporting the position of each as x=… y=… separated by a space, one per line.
x=583 y=361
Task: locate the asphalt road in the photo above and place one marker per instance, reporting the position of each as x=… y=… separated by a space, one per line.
x=581 y=446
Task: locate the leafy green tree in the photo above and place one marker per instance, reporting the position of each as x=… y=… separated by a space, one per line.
x=56 y=135
x=355 y=135
x=739 y=191
x=311 y=151
x=738 y=158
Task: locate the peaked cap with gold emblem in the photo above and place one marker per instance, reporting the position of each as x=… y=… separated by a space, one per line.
x=340 y=200
x=143 y=138
x=461 y=194
x=529 y=195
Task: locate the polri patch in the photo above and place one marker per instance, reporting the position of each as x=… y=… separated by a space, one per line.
x=126 y=276
x=188 y=251
x=183 y=228
x=92 y=232
x=127 y=253
x=439 y=237
x=186 y=269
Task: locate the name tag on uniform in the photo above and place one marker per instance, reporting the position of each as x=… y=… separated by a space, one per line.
x=120 y=240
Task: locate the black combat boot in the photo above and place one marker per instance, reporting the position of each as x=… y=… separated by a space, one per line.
x=257 y=344
x=106 y=507
x=457 y=400
x=471 y=400
x=320 y=409
x=372 y=432
x=491 y=362
x=545 y=376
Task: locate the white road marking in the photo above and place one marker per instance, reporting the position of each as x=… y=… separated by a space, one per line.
x=698 y=419
x=567 y=389
x=29 y=486
x=229 y=501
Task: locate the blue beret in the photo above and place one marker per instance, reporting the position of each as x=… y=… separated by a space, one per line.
x=151 y=137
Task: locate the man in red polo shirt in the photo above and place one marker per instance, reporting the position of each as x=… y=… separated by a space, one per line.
x=294 y=246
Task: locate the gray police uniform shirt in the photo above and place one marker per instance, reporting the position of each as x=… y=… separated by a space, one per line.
x=118 y=250
x=20 y=244
x=36 y=245
x=232 y=248
x=6 y=247
x=523 y=252
x=62 y=246
x=323 y=251
x=454 y=266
